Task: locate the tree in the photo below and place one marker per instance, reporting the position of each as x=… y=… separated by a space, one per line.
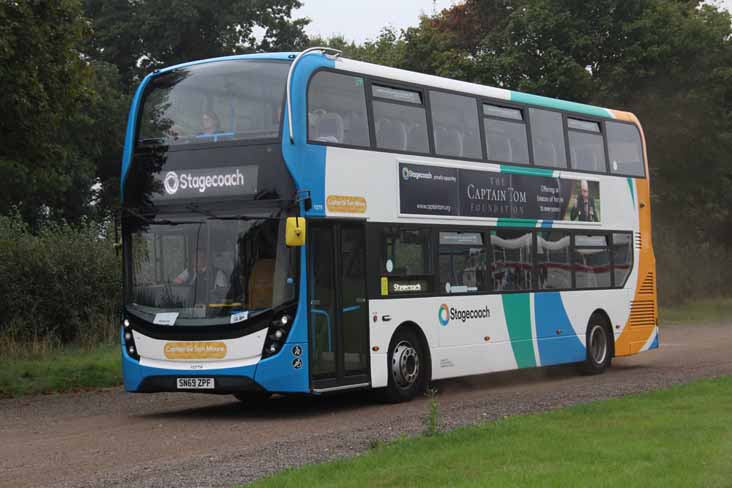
x=44 y=82
x=668 y=61
x=386 y=49
x=146 y=34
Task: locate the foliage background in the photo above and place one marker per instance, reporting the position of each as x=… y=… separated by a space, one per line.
x=68 y=69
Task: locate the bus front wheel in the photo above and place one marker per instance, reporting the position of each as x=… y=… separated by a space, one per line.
x=598 y=346
x=407 y=367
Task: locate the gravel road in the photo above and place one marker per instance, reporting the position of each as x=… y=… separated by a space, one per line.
x=109 y=438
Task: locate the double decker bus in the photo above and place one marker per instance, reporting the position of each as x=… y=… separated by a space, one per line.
x=304 y=223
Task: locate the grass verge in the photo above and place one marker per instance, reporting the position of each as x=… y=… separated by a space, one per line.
x=717 y=311
x=678 y=437
x=60 y=370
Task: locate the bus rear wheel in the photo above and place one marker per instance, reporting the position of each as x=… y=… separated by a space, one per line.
x=598 y=346
x=407 y=367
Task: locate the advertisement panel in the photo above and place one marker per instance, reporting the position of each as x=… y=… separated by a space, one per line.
x=434 y=190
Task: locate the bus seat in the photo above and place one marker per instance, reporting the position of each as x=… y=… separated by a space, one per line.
x=330 y=128
x=545 y=147
x=225 y=262
x=356 y=127
x=391 y=134
x=449 y=142
x=261 y=284
x=499 y=146
x=417 y=139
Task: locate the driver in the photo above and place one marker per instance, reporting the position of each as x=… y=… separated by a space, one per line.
x=201 y=274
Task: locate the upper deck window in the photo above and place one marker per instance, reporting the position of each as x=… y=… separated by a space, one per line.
x=337 y=109
x=396 y=94
x=505 y=135
x=214 y=102
x=583 y=125
x=503 y=112
x=586 y=145
x=625 y=149
x=400 y=119
x=547 y=138
x=455 y=125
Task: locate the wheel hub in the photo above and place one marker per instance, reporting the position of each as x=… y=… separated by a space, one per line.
x=598 y=344
x=405 y=365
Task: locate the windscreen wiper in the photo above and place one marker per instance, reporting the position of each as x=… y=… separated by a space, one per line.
x=150 y=221
x=193 y=207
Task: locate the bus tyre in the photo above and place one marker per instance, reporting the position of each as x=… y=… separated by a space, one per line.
x=407 y=367
x=599 y=349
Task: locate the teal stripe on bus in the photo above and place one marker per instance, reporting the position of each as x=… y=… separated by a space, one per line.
x=524 y=170
x=557 y=104
x=509 y=222
x=632 y=193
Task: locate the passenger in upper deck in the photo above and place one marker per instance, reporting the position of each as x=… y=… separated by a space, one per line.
x=210 y=123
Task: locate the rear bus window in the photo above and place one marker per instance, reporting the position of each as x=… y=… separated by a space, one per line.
x=505 y=134
x=625 y=149
x=587 y=149
x=622 y=257
x=337 y=109
x=455 y=122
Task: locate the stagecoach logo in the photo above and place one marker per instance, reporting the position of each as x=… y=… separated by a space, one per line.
x=445 y=314
x=201 y=183
x=221 y=181
x=171 y=183
x=408 y=174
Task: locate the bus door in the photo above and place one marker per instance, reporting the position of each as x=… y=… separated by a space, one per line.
x=338 y=306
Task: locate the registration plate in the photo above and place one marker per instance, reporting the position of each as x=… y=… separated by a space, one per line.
x=195 y=383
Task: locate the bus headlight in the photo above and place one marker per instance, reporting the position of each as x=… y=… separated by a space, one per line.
x=277 y=334
x=129 y=340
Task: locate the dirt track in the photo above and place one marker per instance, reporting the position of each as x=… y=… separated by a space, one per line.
x=110 y=438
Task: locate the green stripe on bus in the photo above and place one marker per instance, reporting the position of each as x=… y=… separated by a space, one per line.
x=632 y=192
x=517 y=309
x=560 y=104
x=523 y=170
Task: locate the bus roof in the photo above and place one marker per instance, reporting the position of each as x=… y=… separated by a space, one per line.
x=406 y=76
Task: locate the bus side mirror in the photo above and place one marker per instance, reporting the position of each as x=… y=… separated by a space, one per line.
x=295 y=231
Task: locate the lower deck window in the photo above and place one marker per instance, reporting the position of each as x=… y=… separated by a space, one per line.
x=512 y=260
x=406 y=265
x=554 y=260
x=592 y=261
x=463 y=263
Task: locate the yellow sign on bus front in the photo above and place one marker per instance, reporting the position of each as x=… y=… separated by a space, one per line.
x=346 y=204
x=195 y=350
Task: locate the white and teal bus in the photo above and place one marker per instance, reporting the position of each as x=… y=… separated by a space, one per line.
x=304 y=223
